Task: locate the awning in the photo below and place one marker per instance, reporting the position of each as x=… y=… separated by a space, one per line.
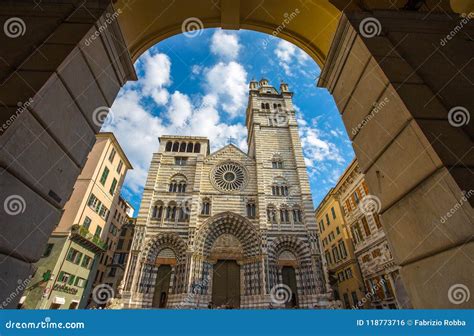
x=59 y=300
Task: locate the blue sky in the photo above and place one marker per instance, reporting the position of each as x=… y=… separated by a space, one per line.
x=197 y=84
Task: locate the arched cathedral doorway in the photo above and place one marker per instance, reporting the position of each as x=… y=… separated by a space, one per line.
x=226 y=256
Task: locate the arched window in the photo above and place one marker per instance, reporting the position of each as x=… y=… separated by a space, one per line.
x=178 y=184
x=271 y=214
x=267 y=106
x=279 y=107
x=280 y=187
x=189 y=149
x=284 y=215
x=197 y=148
x=206 y=207
x=171 y=211
x=251 y=212
x=184 y=211
x=263 y=106
x=168 y=146
x=182 y=147
x=157 y=211
x=277 y=162
x=175 y=146
x=297 y=215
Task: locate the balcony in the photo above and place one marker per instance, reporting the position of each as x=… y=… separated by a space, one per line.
x=82 y=236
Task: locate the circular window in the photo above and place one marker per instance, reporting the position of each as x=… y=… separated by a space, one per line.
x=228 y=176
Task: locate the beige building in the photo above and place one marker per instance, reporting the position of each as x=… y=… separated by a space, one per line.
x=64 y=272
x=229 y=228
x=380 y=273
x=343 y=269
x=120 y=235
x=121 y=209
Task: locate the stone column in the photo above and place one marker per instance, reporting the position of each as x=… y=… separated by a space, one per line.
x=403 y=84
x=61 y=68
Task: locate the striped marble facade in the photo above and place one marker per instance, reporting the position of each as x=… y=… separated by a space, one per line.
x=262 y=206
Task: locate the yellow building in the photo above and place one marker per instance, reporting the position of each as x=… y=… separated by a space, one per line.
x=63 y=276
x=344 y=273
x=381 y=276
x=108 y=268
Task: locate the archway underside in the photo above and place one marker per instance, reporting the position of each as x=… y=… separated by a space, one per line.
x=310 y=25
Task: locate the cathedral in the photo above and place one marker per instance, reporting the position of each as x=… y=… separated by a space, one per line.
x=230 y=229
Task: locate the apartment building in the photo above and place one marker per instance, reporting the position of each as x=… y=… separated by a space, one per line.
x=62 y=278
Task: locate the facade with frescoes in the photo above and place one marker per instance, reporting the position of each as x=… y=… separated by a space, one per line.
x=383 y=286
x=230 y=229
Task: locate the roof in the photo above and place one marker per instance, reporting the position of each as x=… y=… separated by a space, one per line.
x=111 y=136
x=229 y=145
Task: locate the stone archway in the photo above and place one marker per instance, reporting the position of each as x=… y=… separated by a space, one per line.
x=228 y=223
x=75 y=73
x=162 y=267
x=229 y=243
x=291 y=252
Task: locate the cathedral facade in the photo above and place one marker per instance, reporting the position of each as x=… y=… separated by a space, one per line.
x=230 y=229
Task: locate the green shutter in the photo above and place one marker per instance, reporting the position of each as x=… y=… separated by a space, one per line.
x=105 y=173
x=69 y=254
x=79 y=258
x=71 y=279
x=112 y=187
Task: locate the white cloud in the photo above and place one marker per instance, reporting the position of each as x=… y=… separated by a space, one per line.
x=157 y=76
x=129 y=118
x=317 y=148
x=129 y=115
x=228 y=82
x=179 y=109
x=291 y=58
x=206 y=122
x=285 y=51
x=225 y=45
x=196 y=69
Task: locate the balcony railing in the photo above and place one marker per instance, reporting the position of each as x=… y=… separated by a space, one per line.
x=82 y=236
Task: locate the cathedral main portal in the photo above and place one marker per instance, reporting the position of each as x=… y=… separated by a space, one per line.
x=226 y=254
x=226 y=284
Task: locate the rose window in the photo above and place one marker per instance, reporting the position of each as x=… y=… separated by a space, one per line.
x=229 y=176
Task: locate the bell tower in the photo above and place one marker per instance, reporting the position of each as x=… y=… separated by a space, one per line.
x=284 y=196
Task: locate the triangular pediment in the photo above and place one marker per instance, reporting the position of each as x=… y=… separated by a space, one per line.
x=228 y=152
